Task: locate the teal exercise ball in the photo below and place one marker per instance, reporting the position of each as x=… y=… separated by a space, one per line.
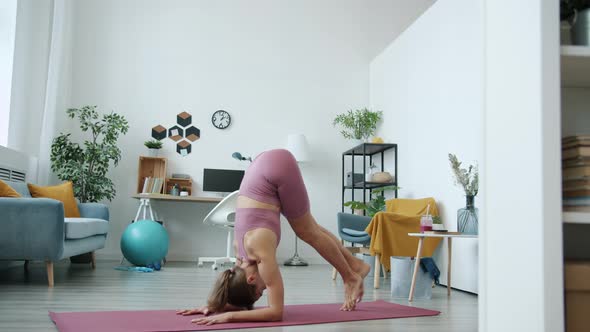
x=144 y=242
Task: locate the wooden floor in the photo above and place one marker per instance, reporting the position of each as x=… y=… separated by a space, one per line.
x=25 y=298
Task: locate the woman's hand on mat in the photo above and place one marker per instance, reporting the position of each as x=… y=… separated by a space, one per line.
x=202 y=310
x=217 y=319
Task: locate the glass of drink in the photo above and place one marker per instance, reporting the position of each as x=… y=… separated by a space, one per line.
x=426 y=223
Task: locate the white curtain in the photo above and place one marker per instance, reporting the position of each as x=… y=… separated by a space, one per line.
x=57 y=85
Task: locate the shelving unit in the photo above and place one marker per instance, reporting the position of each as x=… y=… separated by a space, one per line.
x=367 y=151
x=153 y=167
x=575 y=74
x=575 y=95
x=182 y=183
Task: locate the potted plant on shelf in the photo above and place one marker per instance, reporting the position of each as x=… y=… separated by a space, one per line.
x=358 y=125
x=153 y=147
x=374 y=205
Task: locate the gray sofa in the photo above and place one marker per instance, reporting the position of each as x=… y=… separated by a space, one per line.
x=35 y=229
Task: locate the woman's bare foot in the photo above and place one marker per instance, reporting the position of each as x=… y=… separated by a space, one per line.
x=353 y=292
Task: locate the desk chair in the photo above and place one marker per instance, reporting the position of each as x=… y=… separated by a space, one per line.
x=223 y=215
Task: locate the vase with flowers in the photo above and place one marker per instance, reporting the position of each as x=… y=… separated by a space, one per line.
x=468 y=178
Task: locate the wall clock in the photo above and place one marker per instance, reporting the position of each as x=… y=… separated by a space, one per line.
x=221 y=119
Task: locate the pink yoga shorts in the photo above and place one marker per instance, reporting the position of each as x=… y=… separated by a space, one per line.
x=274 y=178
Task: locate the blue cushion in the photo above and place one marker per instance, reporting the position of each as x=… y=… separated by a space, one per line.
x=79 y=228
x=19 y=187
x=353 y=232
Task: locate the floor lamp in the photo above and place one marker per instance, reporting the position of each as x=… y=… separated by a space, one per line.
x=297 y=145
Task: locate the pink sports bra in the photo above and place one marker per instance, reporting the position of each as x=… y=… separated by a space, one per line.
x=248 y=219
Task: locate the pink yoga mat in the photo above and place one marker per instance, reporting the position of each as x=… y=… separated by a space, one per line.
x=167 y=320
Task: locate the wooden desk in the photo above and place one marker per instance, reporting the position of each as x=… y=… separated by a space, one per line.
x=449 y=236
x=146 y=207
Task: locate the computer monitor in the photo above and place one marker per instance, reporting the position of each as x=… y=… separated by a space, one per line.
x=222 y=180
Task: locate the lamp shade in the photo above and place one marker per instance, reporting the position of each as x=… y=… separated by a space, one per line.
x=297 y=145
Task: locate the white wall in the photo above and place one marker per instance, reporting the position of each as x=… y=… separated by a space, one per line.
x=278 y=67
x=429 y=83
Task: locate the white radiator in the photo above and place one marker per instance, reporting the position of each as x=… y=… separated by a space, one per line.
x=17 y=166
x=10 y=174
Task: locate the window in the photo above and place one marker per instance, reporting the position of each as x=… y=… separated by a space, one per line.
x=7 y=35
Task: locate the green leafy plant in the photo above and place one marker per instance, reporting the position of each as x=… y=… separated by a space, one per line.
x=375 y=204
x=358 y=124
x=153 y=144
x=87 y=164
x=437 y=220
x=468 y=178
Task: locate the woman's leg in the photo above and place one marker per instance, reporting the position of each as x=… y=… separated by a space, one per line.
x=309 y=231
x=357 y=265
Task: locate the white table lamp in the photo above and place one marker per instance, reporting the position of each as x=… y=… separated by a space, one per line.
x=297 y=145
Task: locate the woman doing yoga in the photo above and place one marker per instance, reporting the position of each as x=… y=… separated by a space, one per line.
x=273 y=185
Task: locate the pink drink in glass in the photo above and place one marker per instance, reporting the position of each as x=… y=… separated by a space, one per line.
x=425 y=223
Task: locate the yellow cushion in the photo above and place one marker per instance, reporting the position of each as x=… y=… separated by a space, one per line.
x=63 y=192
x=7 y=191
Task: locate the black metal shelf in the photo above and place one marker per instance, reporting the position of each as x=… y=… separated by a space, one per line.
x=370 y=185
x=367 y=151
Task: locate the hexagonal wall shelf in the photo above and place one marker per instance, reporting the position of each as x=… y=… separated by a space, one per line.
x=159 y=132
x=193 y=133
x=176 y=133
x=183 y=147
x=184 y=119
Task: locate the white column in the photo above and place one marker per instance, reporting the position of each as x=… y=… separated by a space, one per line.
x=521 y=284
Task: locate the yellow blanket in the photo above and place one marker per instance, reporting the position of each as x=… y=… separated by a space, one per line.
x=389 y=232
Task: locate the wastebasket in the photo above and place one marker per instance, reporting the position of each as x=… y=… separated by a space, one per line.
x=402 y=269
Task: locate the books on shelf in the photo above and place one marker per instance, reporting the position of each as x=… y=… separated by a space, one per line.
x=576 y=201
x=575 y=147
x=576 y=172
x=580 y=208
x=152 y=185
x=575 y=153
x=582 y=182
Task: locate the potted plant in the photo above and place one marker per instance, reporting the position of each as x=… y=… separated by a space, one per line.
x=87 y=164
x=358 y=125
x=374 y=205
x=437 y=224
x=153 y=147
x=468 y=178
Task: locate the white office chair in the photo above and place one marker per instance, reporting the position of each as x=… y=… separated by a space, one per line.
x=223 y=215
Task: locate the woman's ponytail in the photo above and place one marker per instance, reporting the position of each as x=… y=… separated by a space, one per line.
x=220 y=293
x=232 y=288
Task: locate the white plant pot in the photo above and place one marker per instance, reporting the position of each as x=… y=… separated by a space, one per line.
x=438 y=227
x=153 y=152
x=357 y=142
